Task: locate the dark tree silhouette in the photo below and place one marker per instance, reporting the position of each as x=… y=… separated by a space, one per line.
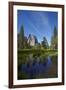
x=45 y=43
x=54 y=39
x=21 y=38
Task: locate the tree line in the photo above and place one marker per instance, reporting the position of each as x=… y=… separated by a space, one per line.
x=22 y=40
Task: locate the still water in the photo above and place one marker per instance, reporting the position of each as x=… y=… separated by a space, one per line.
x=37 y=66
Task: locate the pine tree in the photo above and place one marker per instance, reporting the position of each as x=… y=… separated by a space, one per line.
x=21 y=37
x=54 y=39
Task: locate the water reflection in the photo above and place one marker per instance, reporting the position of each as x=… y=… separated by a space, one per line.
x=37 y=66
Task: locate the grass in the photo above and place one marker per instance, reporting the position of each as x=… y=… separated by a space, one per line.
x=38 y=52
x=35 y=50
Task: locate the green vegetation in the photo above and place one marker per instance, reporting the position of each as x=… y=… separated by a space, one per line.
x=23 y=55
x=23 y=41
x=54 y=39
x=45 y=43
x=38 y=52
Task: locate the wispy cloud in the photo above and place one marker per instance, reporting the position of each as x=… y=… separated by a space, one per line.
x=44 y=22
x=38 y=23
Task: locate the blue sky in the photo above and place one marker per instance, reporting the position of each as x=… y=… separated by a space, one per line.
x=39 y=23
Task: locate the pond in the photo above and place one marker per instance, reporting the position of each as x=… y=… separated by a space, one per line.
x=36 y=66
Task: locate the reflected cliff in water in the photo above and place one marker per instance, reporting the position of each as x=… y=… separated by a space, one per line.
x=36 y=66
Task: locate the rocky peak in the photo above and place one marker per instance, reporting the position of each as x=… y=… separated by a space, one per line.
x=31 y=40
